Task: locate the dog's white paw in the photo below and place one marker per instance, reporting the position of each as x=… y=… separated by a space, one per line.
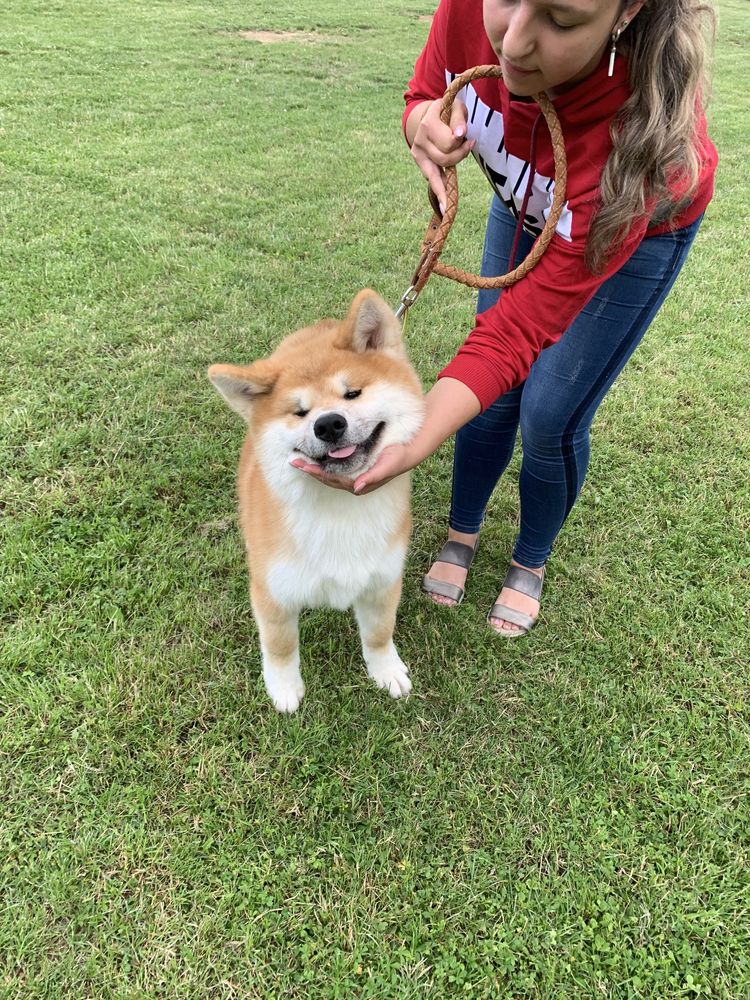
x=391 y=674
x=285 y=687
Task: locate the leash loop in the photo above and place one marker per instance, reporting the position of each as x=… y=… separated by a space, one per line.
x=440 y=225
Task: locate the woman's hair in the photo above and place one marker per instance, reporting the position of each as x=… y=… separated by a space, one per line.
x=653 y=134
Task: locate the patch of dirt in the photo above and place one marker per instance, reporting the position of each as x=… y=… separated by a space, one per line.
x=425 y=17
x=271 y=37
x=214 y=529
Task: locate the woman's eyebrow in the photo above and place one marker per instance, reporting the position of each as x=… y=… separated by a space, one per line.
x=565 y=8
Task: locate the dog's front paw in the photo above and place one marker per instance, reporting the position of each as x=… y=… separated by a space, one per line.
x=391 y=674
x=285 y=687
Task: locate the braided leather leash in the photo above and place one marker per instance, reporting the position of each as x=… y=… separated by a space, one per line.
x=439 y=226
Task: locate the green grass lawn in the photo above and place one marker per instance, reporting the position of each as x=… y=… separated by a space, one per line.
x=561 y=817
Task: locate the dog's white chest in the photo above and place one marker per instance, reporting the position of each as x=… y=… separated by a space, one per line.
x=342 y=551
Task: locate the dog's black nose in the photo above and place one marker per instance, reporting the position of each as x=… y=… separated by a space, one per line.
x=329 y=427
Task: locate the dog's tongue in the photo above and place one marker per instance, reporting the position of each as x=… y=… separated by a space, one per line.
x=343 y=452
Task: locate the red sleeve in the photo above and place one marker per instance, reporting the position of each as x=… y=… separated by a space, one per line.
x=428 y=82
x=529 y=316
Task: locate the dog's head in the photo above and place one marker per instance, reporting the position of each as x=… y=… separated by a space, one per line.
x=335 y=393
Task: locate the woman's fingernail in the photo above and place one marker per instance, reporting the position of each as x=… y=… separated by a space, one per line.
x=459 y=131
x=442 y=208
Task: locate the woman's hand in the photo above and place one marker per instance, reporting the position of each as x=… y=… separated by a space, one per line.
x=392 y=461
x=435 y=145
x=337 y=482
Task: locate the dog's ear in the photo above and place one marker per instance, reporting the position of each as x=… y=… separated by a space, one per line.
x=371 y=325
x=242 y=386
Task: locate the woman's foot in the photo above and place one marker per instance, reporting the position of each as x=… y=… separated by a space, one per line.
x=452 y=574
x=517 y=601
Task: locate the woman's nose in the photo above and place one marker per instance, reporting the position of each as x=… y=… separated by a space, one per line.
x=518 y=40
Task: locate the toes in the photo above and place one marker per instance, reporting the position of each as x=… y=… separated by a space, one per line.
x=439 y=599
x=285 y=688
x=392 y=677
x=287 y=701
x=399 y=685
x=504 y=627
x=287 y=704
x=441 y=572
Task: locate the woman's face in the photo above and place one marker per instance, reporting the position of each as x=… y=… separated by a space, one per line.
x=545 y=44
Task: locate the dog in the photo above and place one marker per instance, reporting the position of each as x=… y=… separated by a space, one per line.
x=334 y=394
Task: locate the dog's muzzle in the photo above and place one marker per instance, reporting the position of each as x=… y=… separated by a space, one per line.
x=338 y=450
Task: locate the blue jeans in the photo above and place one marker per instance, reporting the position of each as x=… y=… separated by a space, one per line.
x=556 y=404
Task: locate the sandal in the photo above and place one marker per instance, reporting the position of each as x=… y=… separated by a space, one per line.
x=524 y=582
x=458 y=554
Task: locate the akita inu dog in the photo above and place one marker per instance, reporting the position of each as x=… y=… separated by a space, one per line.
x=334 y=394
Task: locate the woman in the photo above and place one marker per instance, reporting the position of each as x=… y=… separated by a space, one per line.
x=626 y=80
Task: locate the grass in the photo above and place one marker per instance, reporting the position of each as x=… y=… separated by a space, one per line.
x=563 y=817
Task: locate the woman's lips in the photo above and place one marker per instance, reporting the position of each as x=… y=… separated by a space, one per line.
x=516 y=70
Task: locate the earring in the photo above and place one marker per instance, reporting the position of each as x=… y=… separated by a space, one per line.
x=613 y=51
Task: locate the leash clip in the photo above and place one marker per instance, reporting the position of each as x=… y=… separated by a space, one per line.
x=407 y=299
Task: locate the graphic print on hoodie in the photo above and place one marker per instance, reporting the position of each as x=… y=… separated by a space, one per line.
x=510 y=175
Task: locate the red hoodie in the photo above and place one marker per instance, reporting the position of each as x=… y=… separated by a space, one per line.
x=535 y=312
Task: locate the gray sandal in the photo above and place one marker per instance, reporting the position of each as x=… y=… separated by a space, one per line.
x=458 y=554
x=524 y=582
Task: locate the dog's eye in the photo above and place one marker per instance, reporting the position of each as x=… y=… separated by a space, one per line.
x=352 y=394
x=301 y=413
